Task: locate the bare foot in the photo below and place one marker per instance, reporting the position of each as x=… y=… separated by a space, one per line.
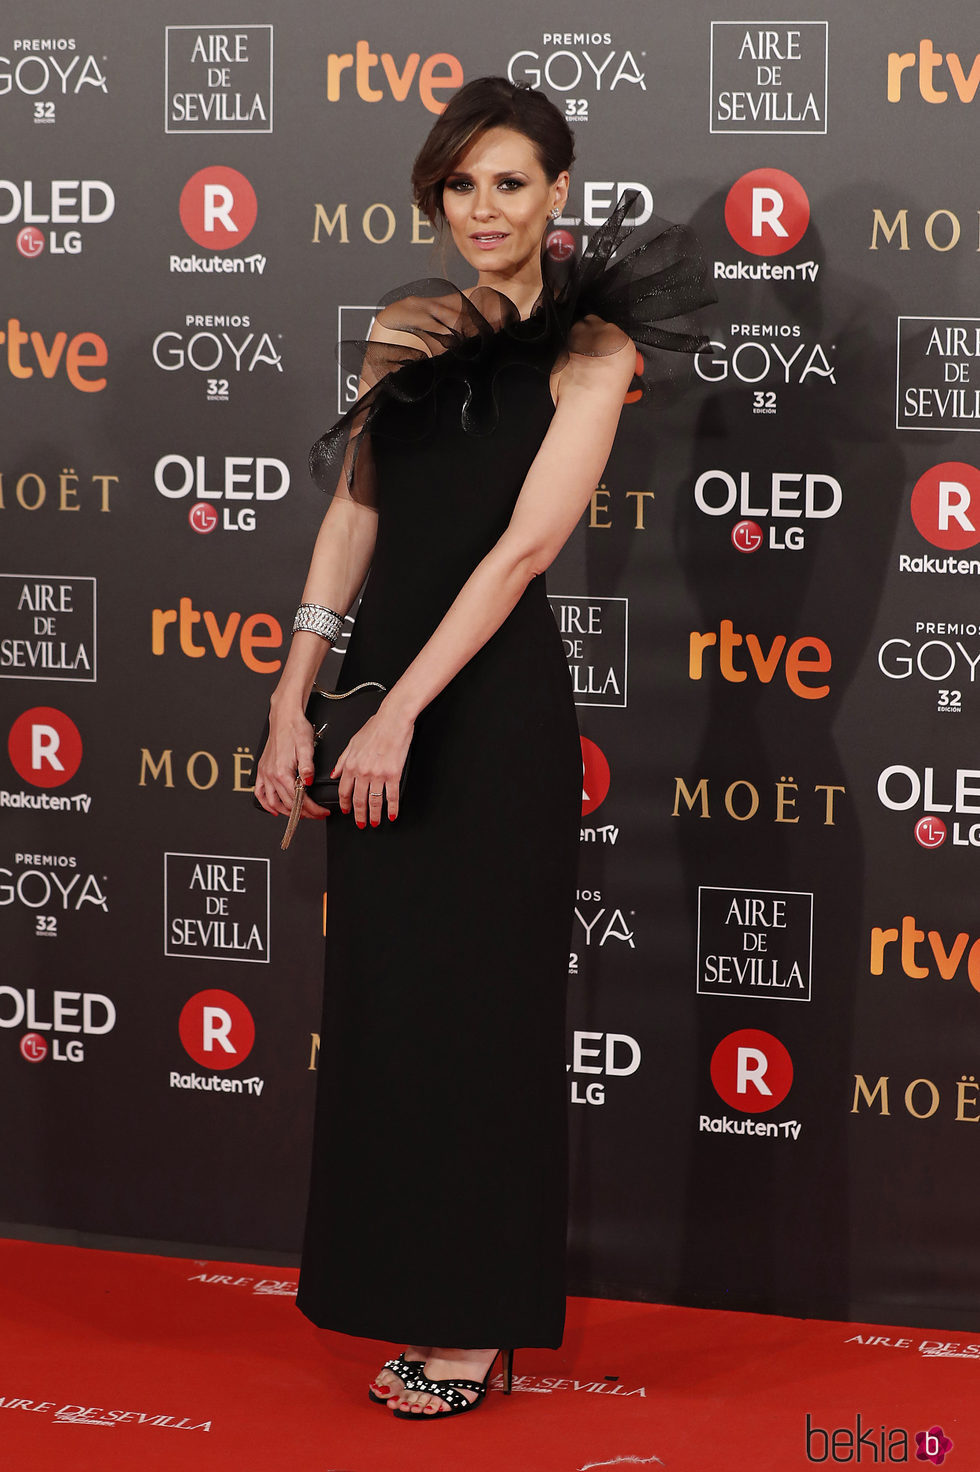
x=445 y=1364
x=388 y=1382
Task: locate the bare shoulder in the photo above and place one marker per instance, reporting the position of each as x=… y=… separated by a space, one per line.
x=601 y=361
x=406 y=320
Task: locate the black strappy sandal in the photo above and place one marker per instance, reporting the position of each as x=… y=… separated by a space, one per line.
x=451 y=1391
x=408 y=1372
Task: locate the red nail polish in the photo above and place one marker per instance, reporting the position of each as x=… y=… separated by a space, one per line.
x=391 y=817
x=360 y=824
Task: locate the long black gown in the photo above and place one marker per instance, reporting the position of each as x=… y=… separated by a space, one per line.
x=437 y=1209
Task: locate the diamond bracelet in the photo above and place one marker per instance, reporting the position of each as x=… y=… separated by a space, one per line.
x=313 y=618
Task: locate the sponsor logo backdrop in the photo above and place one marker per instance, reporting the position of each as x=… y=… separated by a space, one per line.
x=768 y=613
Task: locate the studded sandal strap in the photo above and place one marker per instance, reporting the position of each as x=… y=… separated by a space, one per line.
x=407 y=1370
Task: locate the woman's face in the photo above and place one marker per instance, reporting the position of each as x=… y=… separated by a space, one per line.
x=498 y=200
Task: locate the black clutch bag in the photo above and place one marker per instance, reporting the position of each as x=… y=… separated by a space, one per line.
x=335 y=717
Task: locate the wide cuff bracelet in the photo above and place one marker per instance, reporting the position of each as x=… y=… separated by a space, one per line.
x=313 y=618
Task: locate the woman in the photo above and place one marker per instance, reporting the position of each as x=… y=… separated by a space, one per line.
x=438 y=1201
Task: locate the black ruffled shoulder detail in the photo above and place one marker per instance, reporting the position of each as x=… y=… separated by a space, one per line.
x=631 y=282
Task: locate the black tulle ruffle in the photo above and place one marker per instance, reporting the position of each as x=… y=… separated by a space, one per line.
x=641 y=281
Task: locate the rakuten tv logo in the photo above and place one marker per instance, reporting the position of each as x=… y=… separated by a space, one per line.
x=767 y=212
x=45 y=747
x=218 y=207
x=946 y=505
x=216 y=1029
x=751 y=1070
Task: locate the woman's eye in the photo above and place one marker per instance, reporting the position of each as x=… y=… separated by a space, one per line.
x=458 y=185
x=511 y=184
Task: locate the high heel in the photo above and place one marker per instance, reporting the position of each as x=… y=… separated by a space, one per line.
x=451 y=1391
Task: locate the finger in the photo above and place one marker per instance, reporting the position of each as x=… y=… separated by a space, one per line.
x=311 y=809
x=392 y=794
x=376 y=797
x=360 y=801
x=345 y=792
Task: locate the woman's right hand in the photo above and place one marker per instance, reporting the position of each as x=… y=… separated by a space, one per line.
x=288 y=750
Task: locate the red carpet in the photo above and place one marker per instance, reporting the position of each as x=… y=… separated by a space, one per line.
x=111 y=1362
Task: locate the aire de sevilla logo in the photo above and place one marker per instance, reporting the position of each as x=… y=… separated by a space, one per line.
x=943 y=503
x=767 y=212
x=218 y=207
x=45 y=746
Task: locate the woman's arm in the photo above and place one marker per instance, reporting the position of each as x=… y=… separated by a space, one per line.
x=555 y=493
x=341 y=559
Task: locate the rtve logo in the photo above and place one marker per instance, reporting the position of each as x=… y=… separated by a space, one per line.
x=257 y=631
x=218 y=207
x=440 y=72
x=80 y=355
x=908 y=941
x=767 y=212
x=929 y=60
x=797 y=666
x=751 y=1070
x=45 y=747
x=943 y=504
x=216 y=1029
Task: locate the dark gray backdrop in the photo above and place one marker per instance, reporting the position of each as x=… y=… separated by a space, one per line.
x=742 y=819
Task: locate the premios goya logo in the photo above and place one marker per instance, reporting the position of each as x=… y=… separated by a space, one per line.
x=769 y=76
x=946 y=655
x=47 y=627
x=221 y=344
x=49 y=72
x=51 y=887
x=767 y=358
x=580 y=67
x=219 y=79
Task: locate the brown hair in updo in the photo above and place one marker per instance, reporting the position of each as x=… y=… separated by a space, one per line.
x=488 y=102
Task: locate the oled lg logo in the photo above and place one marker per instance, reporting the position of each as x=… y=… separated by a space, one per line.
x=248 y=479
x=882 y=1444
x=901 y=788
x=58 y=202
x=767 y=213
x=752 y=1072
x=789 y=499
x=51 y=1025
x=217 y=1030
x=943 y=510
x=218 y=210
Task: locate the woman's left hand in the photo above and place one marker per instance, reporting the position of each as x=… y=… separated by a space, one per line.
x=370 y=766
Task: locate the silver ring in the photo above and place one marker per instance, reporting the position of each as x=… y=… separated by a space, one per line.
x=376 y=794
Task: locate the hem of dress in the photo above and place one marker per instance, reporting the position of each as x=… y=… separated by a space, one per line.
x=447 y=1335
